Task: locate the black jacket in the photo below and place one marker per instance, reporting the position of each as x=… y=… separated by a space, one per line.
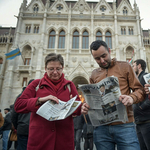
x=78 y=122
x=7 y=123
x=142 y=115
x=20 y=121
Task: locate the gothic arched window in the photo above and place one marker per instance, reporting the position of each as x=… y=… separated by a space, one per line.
x=35 y=8
x=52 y=36
x=85 y=40
x=98 y=35
x=61 y=43
x=75 y=44
x=108 y=39
x=125 y=11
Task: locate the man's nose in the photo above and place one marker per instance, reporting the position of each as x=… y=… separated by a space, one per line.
x=102 y=60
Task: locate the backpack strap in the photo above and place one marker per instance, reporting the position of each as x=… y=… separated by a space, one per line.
x=69 y=88
x=37 y=87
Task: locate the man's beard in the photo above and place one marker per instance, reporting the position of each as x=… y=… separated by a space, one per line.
x=105 y=67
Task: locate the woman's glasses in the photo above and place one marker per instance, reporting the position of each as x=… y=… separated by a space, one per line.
x=54 y=69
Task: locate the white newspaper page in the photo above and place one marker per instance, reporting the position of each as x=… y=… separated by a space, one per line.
x=103 y=99
x=147 y=79
x=51 y=111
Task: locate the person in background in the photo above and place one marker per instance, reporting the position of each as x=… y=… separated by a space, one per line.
x=1 y=119
x=21 y=124
x=6 y=128
x=88 y=138
x=78 y=126
x=44 y=134
x=117 y=133
x=1 y=123
x=12 y=129
x=142 y=109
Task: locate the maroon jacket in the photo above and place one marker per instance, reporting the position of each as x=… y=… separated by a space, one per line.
x=44 y=134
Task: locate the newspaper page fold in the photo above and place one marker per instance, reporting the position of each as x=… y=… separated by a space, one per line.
x=147 y=79
x=103 y=99
x=53 y=111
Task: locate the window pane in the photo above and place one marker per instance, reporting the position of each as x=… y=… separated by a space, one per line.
x=52 y=39
x=61 y=43
x=75 y=43
x=98 y=33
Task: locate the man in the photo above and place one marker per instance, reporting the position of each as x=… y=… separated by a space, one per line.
x=103 y=90
x=78 y=126
x=142 y=109
x=117 y=133
x=21 y=124
x=6 y=128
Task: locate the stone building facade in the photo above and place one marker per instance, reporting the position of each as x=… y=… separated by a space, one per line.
x=68 y=28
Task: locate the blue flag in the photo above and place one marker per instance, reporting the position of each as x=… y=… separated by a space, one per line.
x=13 y=54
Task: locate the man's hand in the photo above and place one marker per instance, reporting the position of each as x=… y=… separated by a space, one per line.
x=126 y=100
x=84 y=109
x=146 y=88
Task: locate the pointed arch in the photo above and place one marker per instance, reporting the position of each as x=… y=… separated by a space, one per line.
x=75 y=41
x=108 y=39
x=52 y=37
x=98 y=35
x=61 y=41
x=85 y=39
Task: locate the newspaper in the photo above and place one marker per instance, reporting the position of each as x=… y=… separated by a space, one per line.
x=103 y=99
x=51 y=111
x=147 y=79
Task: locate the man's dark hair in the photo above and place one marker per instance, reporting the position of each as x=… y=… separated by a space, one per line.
x=54 y=57
x=8 y=109
x=96 y=44
x=142 y=62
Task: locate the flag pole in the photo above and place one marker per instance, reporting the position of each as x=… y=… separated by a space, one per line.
x=21 y=54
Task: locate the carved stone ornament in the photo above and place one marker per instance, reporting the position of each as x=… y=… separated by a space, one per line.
x=85 y=59
x=74 y=59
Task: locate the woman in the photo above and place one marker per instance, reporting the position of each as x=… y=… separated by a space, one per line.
x=44 y=134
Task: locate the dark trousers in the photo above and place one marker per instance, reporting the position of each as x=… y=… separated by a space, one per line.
x=143 y=133
x=77 y=138
x=22 y=142
x=10 y=144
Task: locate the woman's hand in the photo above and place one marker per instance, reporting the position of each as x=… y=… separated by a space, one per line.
x=84 y=109
x=42 y=100
x=146 y=88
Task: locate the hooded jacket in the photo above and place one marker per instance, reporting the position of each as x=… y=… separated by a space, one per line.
x=44 y=134
x=127 y=82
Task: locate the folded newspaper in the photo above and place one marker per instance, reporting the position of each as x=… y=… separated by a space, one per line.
x=53 y=111
x=103 y=99
x=147 y=79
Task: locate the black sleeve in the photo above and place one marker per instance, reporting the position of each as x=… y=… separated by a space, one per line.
x=14 y=117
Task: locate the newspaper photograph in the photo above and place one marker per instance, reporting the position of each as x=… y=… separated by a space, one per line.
x=147 y=79
x=103 y=99
x=51 y=111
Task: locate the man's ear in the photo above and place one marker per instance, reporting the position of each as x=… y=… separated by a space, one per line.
x=139 y=66
x=109 y=50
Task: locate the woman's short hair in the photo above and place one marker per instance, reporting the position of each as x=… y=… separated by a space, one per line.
x=54 y=57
